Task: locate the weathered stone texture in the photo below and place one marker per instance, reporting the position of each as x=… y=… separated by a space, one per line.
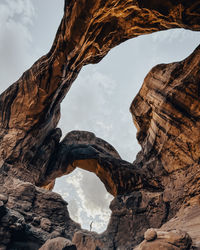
x=170 y=240
x=58 y=243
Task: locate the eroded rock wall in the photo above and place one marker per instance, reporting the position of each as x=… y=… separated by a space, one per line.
x=30 y=108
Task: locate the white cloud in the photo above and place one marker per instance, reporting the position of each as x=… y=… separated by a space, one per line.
x=16 y=16
x=20 y=10
x=94 y=193
x=74 y=210
x=175 y=35
x=88 y=199
x=99 y=104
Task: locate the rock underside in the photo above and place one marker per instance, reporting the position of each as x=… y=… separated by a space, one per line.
x=156 y=201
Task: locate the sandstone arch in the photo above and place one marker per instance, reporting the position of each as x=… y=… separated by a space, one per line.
x=165 y=174
x=30 y=108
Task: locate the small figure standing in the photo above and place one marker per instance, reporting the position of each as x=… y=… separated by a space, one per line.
x=91 y=226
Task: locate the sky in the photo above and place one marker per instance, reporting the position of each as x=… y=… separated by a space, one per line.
x=100 y=97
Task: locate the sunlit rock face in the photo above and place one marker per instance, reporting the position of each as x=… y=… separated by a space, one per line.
x=148 y=192
x=166 y=113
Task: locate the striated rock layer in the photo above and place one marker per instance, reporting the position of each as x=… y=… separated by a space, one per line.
x=30 y=108
x=159 y=189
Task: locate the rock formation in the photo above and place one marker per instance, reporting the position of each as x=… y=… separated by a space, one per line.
x=160 y=189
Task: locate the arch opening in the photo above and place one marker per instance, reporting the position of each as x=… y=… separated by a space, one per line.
x=93 y=102
x=88 y=200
